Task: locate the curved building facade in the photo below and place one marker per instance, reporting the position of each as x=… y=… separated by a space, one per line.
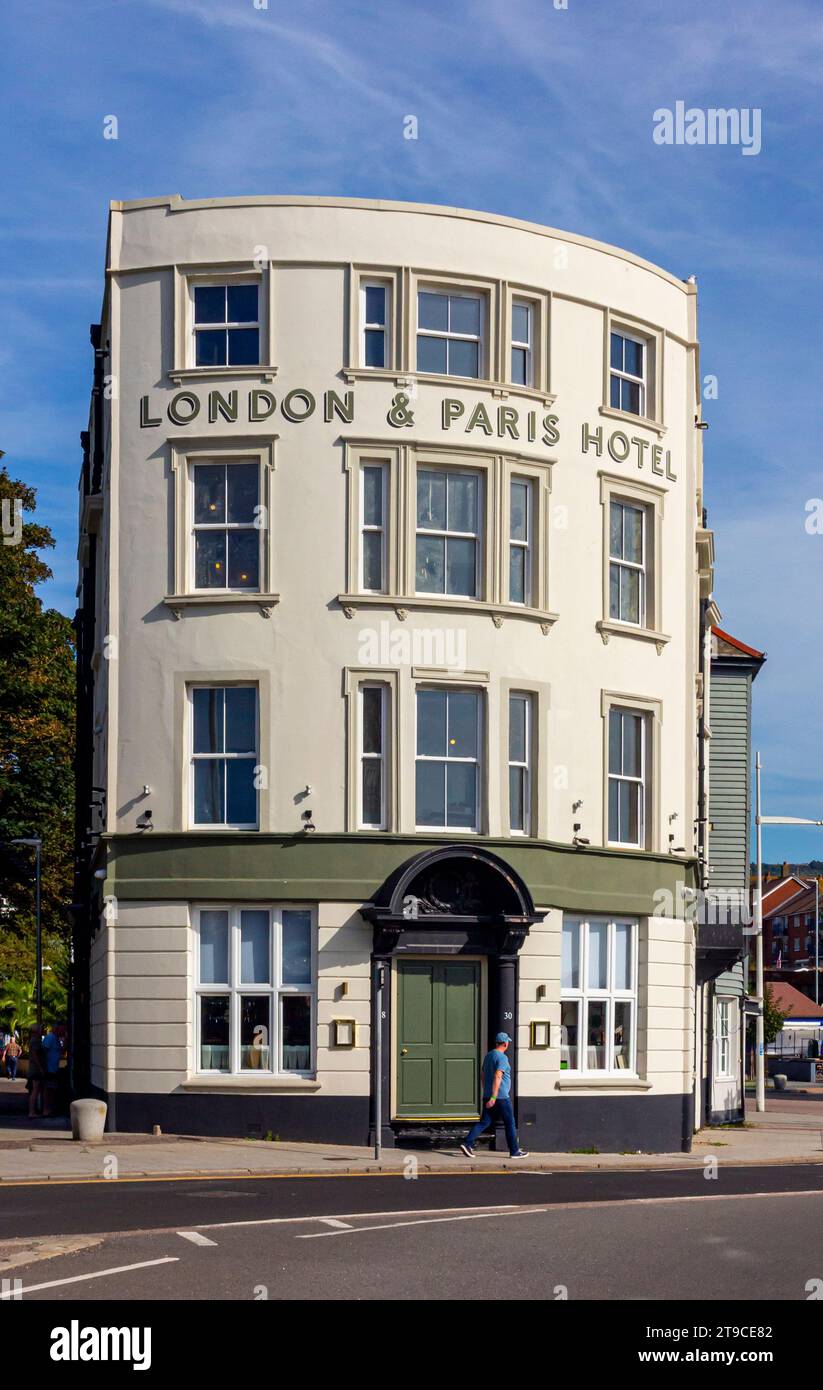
x=392 y=558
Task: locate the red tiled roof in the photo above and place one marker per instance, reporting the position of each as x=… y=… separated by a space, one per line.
x=792 y=1002
x=785 y=890
x=800 y=905
x=735 y=642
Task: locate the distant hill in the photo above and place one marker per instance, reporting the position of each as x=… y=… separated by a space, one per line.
x=808 y=870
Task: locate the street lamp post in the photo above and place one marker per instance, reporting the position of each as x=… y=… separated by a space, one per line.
x=761 y=820
x=816 y=939
x=760 y=1035
x=37 y=845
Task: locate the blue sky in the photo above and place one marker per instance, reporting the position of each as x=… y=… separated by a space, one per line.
x=523 y=109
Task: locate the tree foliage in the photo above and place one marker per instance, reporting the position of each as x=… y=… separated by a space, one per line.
x=18 y=998
x=36 y=740
x=773 y=1019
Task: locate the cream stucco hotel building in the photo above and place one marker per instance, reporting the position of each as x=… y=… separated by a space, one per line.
x=392 y=564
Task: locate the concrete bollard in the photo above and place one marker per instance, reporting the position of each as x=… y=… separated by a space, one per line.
x=780 y=1081
x=88 y=1120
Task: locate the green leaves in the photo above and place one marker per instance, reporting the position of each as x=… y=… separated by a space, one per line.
x=36 y=741
x=773 y=1019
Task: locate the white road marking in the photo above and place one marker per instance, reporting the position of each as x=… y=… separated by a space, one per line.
x=465 y=1213
x=502 y=1207
x=690 y=1197
x=196 y=1238
x=343 y=1216
x=332 y=1221
x=99 y=1274
x=427 y=1221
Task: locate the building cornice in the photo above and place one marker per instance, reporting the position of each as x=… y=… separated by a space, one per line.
x=176 y=204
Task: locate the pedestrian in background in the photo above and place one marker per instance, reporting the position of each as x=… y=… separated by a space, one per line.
x=11 y=1053
x=52 y=1050
x=497 y=1084
x=36 y=1070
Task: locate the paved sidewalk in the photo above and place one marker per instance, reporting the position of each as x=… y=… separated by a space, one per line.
x=31 y=1154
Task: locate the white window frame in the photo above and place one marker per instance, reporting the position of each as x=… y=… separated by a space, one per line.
x=275 y=990
x=724 y=1070
x=194 y=758
x=519 y=302
x=375 y=282
x=621 y=374
x=226 y=282
x=615 y=500
x=381 y=757
x=454 y=292
x=477 y=536
x=478 y=760
x=526 y=766
x=642 y=781
x=224 y=526
x=371 y=528
x=527 y=545
x=584 y=995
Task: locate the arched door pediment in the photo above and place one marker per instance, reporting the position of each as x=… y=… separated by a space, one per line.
x=456 y=885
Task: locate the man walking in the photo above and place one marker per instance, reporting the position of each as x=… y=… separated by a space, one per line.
x=497 y=1084
x=10 y=1056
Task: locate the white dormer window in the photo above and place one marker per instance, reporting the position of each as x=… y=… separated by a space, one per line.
x=628 y=373
x=375 y=318
x=226 y=324
x=450 y=333
x=522 y=343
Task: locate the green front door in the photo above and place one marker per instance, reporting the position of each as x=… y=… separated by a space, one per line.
x=438 y=1039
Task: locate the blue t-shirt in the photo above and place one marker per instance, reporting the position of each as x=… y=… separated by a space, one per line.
x=52 y=1049
x=493 y=1062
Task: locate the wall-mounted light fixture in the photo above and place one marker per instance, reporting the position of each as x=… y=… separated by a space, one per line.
x=541 y=992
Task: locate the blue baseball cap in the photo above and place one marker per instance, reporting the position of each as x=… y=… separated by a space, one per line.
x=502 y=1037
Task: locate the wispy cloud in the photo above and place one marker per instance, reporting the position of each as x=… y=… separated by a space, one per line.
x=522 y=109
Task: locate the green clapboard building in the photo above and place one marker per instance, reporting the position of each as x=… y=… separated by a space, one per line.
x=722 y=996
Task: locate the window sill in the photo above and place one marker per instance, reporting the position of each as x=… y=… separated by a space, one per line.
x=401 y=603
x=211 y=828
x=610 y=627
x=630 y=419
x=220 y=598
x=447 y=830
x=250 y=1083
x=261 y=371
x=500 y=389
x=612 y=1082
x=620 y=848
x=92 y=513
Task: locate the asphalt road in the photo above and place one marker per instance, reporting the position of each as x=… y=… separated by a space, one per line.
x=55 y=1208
x=750 y=1234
